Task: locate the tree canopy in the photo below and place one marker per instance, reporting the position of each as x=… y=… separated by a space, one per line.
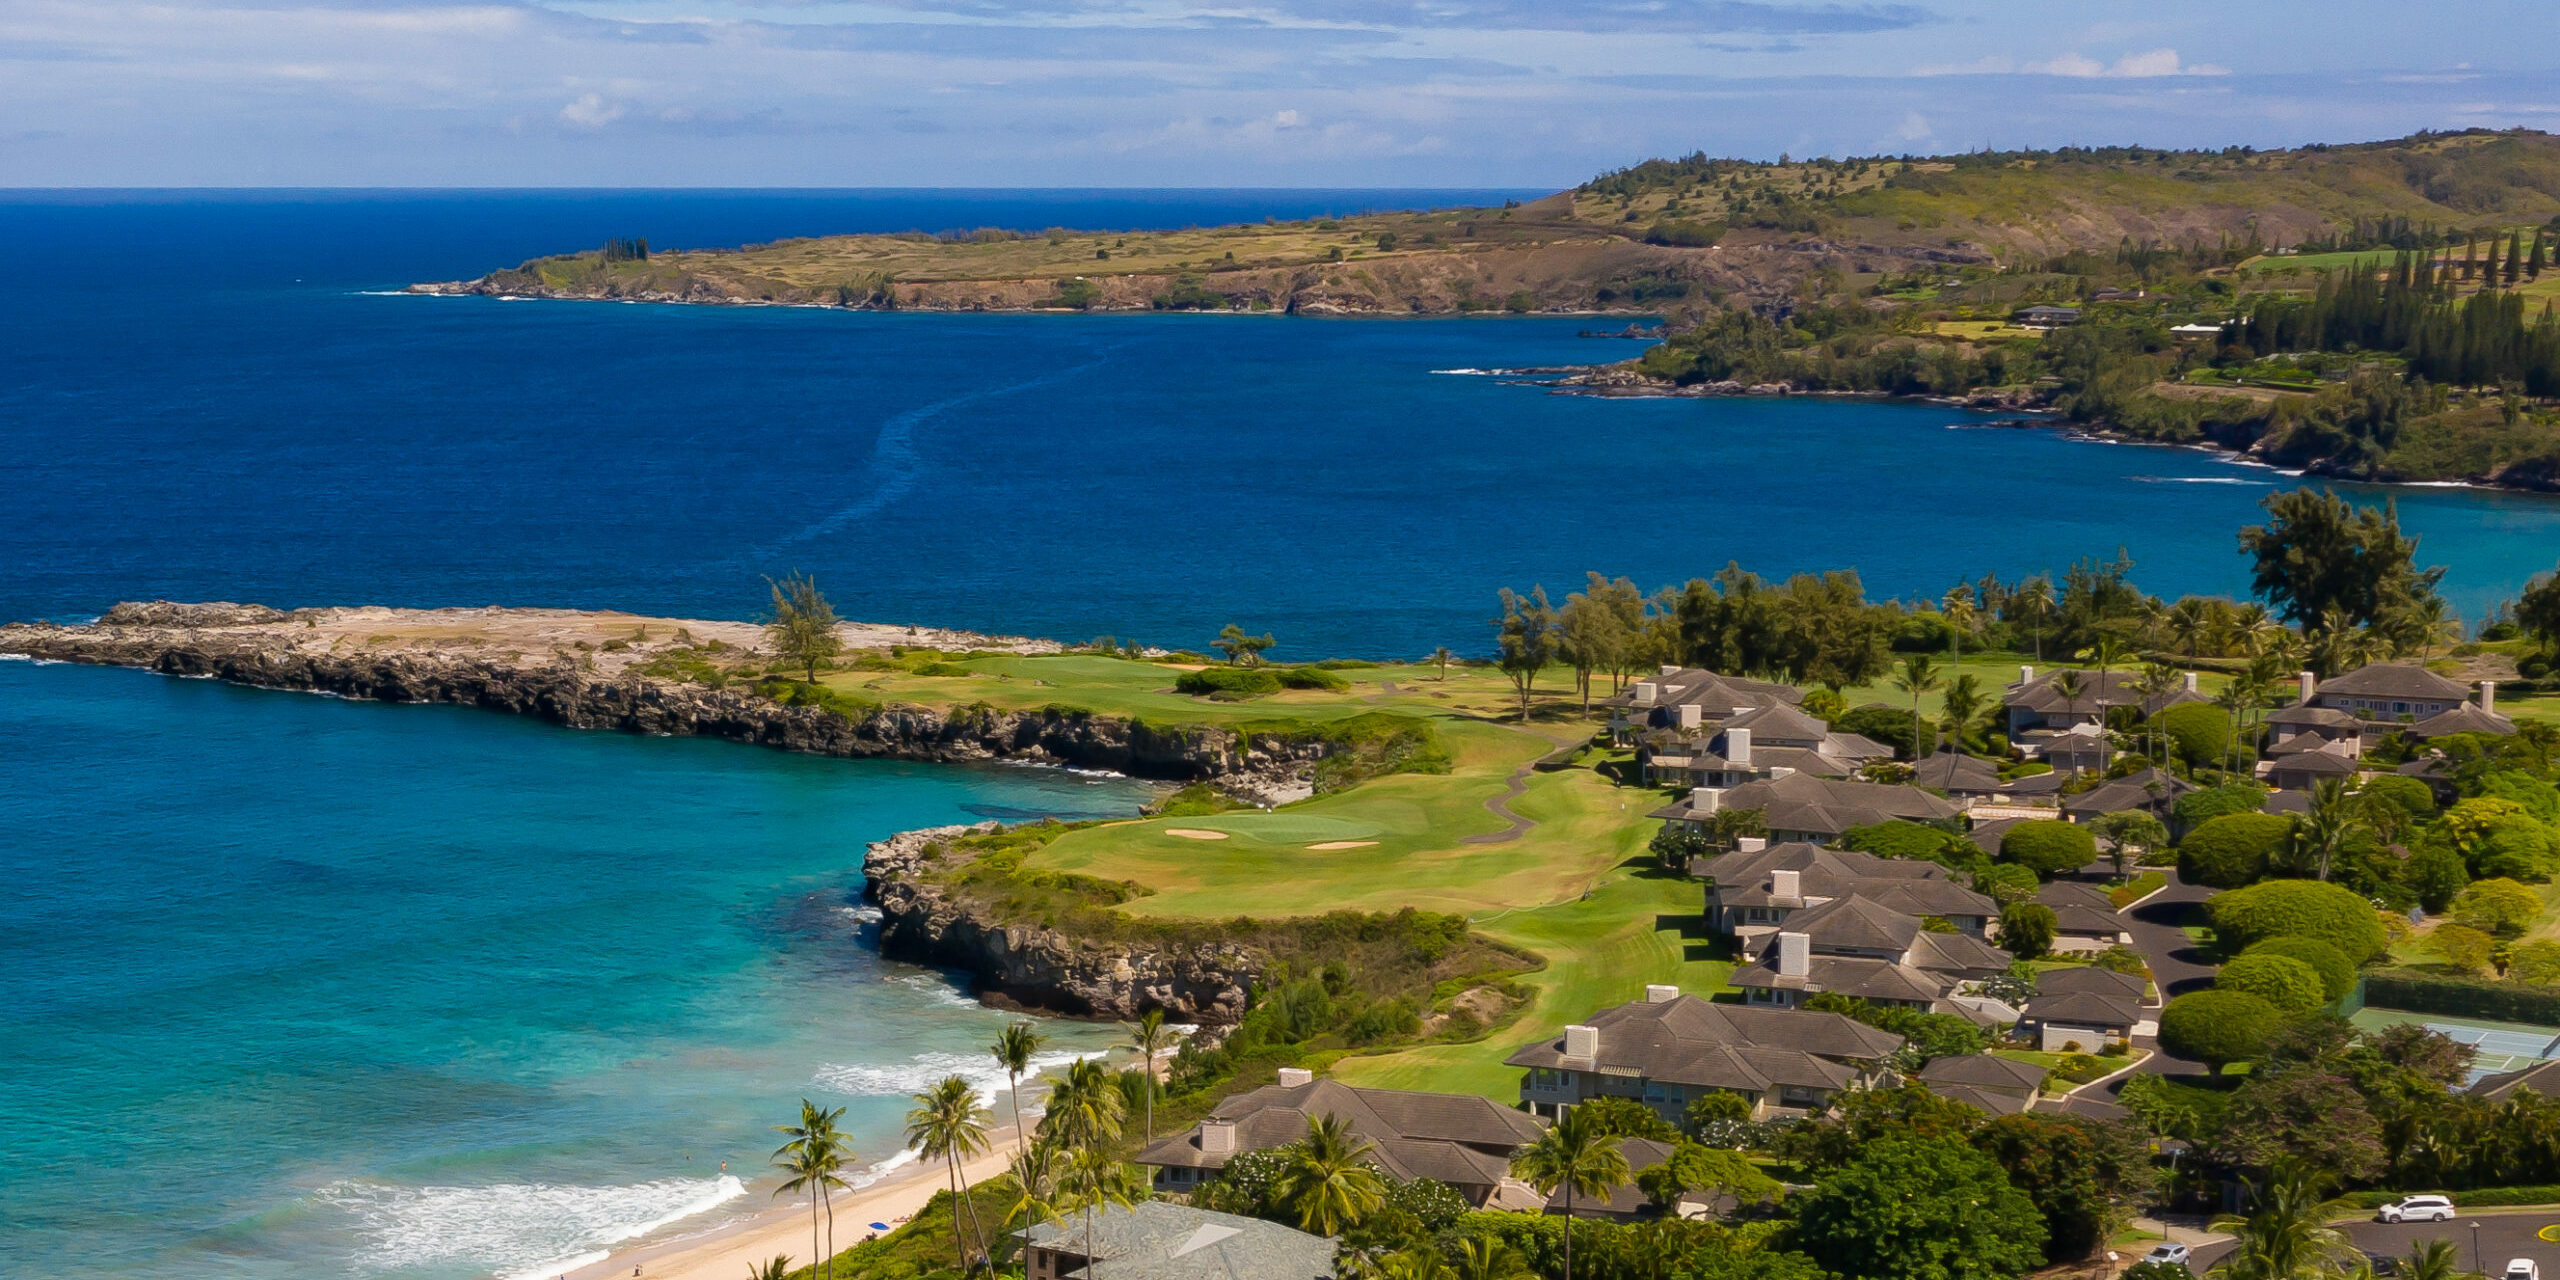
x=1921 y=1209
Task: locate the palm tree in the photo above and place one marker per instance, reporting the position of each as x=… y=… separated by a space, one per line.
x=2189 y=625
x=1038 y=1172
x=2234 y=701
x=1961 y=617
x=1329 y=1182
x=1095 y=1180
x=2153 y=681
x=778 y=1267
x=950 y=1124
x=2109 y=653
x=1421 y=1262
x=1086 y=1112
x=1441 y=656
x=2321 y=835
x=1150 y=1037
x=1485 y=1258
x=2070 y=684
x=2285 y=1235
x=1014 y=1049
x=2035 y=596
x=2436 y=1259
x=1577 y=1155
x=812 y=1158
x=1919 y=676
x=1963 y=701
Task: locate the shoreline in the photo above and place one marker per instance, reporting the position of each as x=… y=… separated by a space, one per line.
x=723 y=1252
x=2026 y=418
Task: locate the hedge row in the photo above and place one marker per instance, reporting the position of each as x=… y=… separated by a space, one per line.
x=2481 y=1198
x=2418 y=992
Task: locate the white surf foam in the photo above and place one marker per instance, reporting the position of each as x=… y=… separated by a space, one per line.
x=17 y=657
x=925 y=1070
x=2204 y=480
x=515 y=1229
x=1468 y=373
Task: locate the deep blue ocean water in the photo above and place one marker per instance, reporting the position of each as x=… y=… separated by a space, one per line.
x=292 y=986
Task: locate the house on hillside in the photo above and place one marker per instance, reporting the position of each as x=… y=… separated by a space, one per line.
x=2306 y=769
x=1756 y=744
x=2034 y=703
x=1688 y=700
x=2045 y=317
x=2542 y=1078
x=2152 y=791
x=1161 y=1240
x=1867 y=954
x=1996 y=1085
x=2385 y=698
x=1801 y=807
x=1669 y=1049
x=1464 y=1141
x=2085 y=919
x=2079 y=1021
x=1753 y=890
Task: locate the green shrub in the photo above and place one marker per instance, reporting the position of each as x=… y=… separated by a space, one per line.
x=2232 y=850
x=2420 y=992
x=2299 y=908
x=1228 y=684
x=1911 y=840
x=2409 y=795
x=2337 y=973
x=2218 y=1027
x=2497 y=906
x=793 y=693
x=2282 y=981
x=2049 y=847
x=2199 y=732
x=2197 y=807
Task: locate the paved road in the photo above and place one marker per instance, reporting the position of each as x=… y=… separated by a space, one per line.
x=2504 y=1234
x=2177 y=967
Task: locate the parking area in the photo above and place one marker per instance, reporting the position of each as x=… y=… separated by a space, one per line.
x=2503 y=1234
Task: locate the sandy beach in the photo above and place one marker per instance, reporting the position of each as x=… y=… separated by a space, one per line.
x=728 y=1253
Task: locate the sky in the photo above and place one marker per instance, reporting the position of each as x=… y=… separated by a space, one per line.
x=1172 y=93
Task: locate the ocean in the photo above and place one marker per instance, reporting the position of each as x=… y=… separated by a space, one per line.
x=295 y=986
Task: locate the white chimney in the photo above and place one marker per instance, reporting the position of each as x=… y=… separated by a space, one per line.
x=2488 y=695
x=2191 y=682
x=1644 y=693
x=1217 y=1137
x=2026 y=674
x=1670 y=668
x=1704 y=799
x=1737 y=746
x=1795 y=955
x=1786 y=884
x=1294 y=1077
x=1581 y=1041
x=1777 y=771
x=1692 y=715
x=1750 y=844
x=1660 y=993
x=2310 y=685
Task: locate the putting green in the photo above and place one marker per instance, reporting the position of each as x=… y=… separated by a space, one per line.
x=1285 y=828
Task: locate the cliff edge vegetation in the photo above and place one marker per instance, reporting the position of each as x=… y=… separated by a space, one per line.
x=1664 y=235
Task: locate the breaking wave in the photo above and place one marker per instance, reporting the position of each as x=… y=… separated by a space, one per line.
x=519 y=1230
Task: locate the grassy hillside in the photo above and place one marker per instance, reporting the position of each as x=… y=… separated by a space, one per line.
x=1660 y=235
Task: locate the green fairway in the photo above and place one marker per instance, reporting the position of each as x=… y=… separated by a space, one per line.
x=1637 y=926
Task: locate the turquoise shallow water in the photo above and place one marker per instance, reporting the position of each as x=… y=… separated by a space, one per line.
x=300 y=987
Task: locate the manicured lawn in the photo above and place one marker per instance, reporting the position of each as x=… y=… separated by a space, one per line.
x=1636 y=927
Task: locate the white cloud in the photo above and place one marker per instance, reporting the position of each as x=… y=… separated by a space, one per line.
x=1288 y=120
x=1914 y=128
x=591 y=111
x=2147 y=65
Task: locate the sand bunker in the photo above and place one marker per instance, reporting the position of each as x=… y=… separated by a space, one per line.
x=1331 y=845
x=1194 y=833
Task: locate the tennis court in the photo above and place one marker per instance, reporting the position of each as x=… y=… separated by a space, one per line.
x=2497 y=1046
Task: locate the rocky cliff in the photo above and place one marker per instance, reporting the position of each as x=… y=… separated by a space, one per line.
x=331 y=651
x=921 y=921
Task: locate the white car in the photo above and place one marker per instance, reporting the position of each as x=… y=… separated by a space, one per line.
x=2523 y=1269
x=2419 y=1209
x=2171 y=1252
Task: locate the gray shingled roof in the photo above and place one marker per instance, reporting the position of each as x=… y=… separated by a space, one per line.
x=1749 y=1048
x=2147 y=789
x=1825 y=806
x=1460 y=1139
x=2090 y=978
x=1983 y=1071
x=1957 y=773
x=2078 y=908
x=2085 y=1009
x=1716 y=693
x=2110 y=689
x=1958 y=953
x=2392 y=680
x=1856 y=923
x=2467 y=718
x=1160 y=1240
x=1845 y=975
x=2315 y=762
x=2302 y=713
x=2542 y=1078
